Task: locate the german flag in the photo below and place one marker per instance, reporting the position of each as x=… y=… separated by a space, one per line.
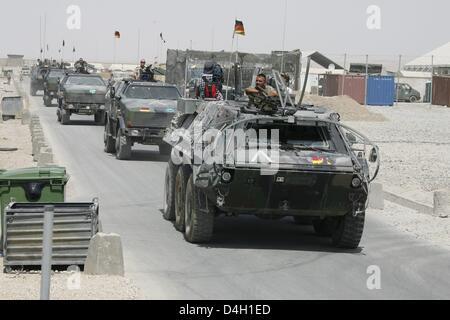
x=239 y=28
x=117 y=34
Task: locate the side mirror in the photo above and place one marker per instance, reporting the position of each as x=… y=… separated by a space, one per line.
x=373 y=155
x=351 y=137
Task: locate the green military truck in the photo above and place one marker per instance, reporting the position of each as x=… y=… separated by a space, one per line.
x=407 y=93
x=138 y=112
x=82 y=94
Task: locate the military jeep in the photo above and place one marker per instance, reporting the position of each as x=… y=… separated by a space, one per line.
x=138 y=112
x=233 y=159
x=82 y=94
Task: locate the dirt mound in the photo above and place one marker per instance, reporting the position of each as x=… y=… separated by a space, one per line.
x=349 y=109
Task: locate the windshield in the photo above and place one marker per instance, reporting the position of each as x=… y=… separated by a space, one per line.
x=85 y=81
x=293 y=137
x=56 y=74
x=152 y=92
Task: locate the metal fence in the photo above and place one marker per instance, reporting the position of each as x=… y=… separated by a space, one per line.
x=413 y=76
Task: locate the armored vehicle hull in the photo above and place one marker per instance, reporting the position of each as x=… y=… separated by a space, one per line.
x=300 y=162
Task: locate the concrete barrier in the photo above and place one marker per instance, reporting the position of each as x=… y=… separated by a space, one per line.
x=442 y=203
x=376 y=196
x=407 y=203
x=26 y=117
x=45 y=157
x=105 y=256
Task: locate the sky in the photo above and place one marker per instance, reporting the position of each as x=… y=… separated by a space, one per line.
x=334 y=27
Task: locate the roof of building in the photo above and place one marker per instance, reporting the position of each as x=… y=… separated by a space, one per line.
x=437 y=57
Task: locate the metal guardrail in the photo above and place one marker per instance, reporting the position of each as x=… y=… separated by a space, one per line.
x=74 y=225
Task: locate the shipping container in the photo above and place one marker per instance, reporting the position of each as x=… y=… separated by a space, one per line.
x=353 y=86
x=381 y=90
x=441 y=91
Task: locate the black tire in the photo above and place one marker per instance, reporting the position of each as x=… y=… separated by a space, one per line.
x=65 y=117
x=413 y=99
x=349 y=231
x=109 y=141
x=123 y=146
x=169 y=191
x=47 y=101
x=165 y=149
x=199 y=225
x=99 y=118
x=181 y=180
x=323 y=227
x=99 y=226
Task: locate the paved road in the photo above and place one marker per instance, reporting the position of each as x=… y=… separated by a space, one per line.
x=249 y=258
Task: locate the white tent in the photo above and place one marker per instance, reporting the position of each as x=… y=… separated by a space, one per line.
x=439 y=57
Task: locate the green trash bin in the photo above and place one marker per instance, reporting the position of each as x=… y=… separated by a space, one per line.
x=39 y=184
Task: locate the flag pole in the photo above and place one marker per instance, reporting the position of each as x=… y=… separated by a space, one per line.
x=229 y=69
x=284 y=36
x=114 y=51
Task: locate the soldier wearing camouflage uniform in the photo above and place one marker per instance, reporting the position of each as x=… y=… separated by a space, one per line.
x=263 y=96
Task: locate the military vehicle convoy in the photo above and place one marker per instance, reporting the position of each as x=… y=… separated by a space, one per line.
x=138 y=112
x=51 y=83
x=294 y=161
x=82 y=94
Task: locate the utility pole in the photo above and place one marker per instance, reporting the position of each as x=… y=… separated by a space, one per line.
x=284 y=36
x=139 y=45
x=397 y=87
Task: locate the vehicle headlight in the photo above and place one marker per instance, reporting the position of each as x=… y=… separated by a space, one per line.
x=227 y=176
x=356 y=182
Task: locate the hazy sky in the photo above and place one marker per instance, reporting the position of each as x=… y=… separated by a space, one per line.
x=408 y=27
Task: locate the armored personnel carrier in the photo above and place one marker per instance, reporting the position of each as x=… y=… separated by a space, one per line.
x=232 y=159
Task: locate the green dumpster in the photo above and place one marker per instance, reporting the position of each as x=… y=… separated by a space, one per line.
x=41 y=184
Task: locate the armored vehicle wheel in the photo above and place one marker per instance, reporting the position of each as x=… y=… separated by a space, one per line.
x=199 y=225
x=99 y=118
x=169 y=191
x=47 y=101
x=165 y=149
x=349 y=231
x=123 y=146
x=180 y=197
x=65 y=117
x=110 y=143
